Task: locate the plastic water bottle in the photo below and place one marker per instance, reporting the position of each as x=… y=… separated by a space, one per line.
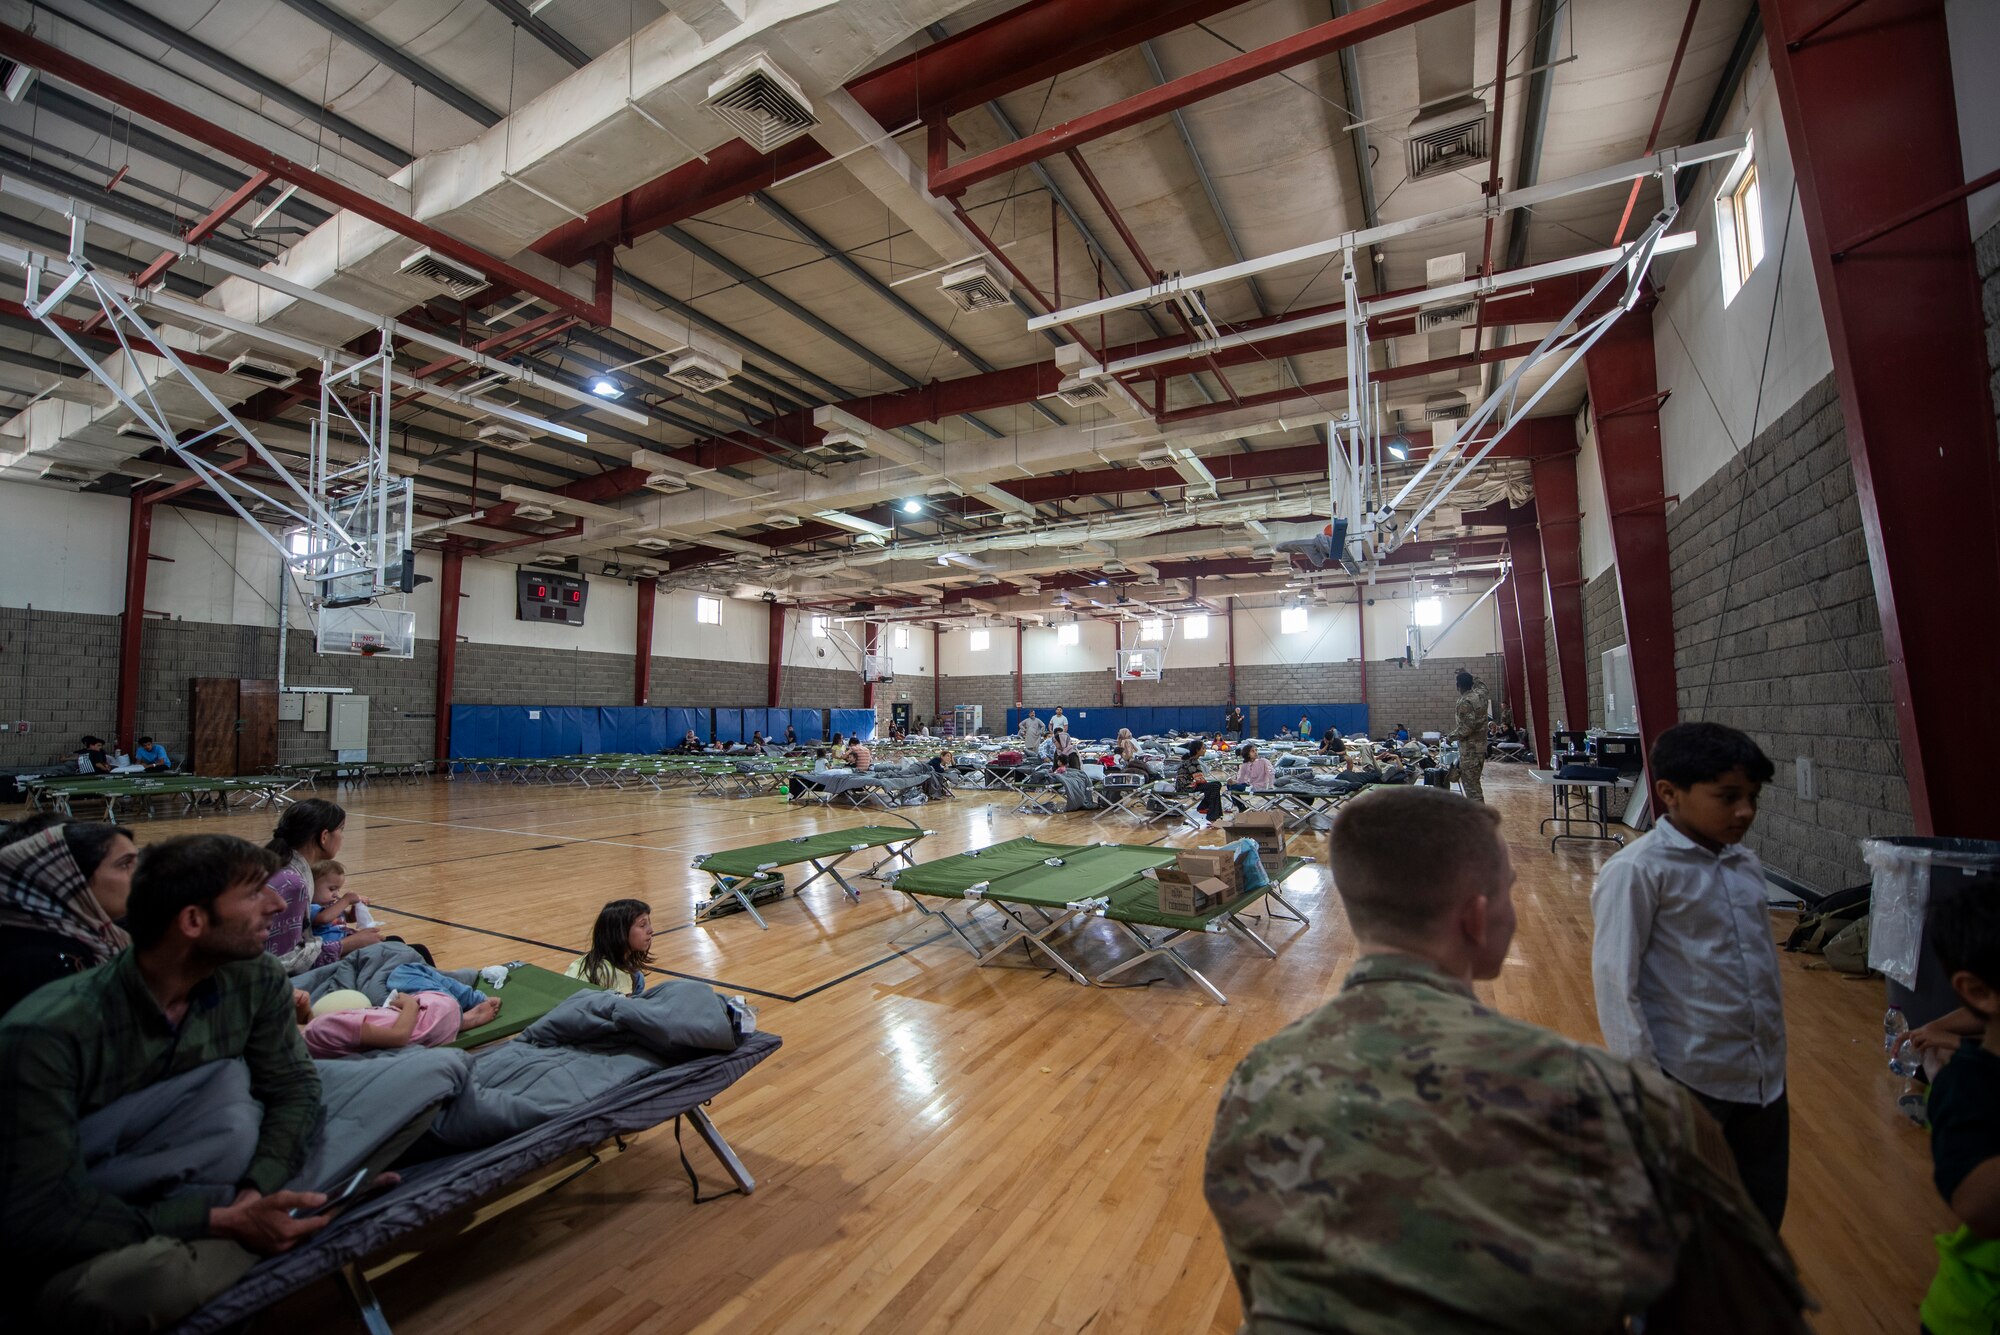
x=1903 y=1057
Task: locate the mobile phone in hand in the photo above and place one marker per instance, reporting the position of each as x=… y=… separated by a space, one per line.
x=337 y=1197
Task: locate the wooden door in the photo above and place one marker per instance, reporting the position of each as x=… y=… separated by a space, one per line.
x=212 y=725
x=257 y=733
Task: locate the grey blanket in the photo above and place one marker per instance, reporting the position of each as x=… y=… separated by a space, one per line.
x=589 y=1044
x=367 y=971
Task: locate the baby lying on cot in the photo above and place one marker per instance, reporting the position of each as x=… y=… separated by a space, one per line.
x=425 y=1007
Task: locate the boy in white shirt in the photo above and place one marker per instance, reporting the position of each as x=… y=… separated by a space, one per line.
x=1684 y=961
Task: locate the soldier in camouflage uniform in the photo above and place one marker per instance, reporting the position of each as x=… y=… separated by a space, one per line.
x=1407 y=1161
x=1469 y=731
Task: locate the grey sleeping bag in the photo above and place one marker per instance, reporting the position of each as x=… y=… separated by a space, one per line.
x=367 y=971
x=589 y=1044
x=435 y=1188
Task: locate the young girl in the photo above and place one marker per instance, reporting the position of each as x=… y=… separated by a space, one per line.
x=343 y=1024
x=309 y=831
x=621 y=945
x=336 y=911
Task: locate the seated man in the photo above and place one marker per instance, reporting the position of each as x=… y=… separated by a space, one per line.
x=92 y=760
x=859 y=755
x=194 y=999
x=690 y=744
x=1407 y=1159
x=151 y=755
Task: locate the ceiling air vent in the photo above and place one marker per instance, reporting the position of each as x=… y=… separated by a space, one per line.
x=1449 y=407
x=1450 y=315
x=760 y=103
x=549 y=558
x=653 y=544
x=501 y=436
x=783 y=521
x=1451 y=135
x=527 y=511
x=974 y=288
x=15 y=78
x=1077 y=392
x=274 y=374
x=136 y=428
x=61 y=472
x=694 y=371
x=447 y=276
x=667 y=482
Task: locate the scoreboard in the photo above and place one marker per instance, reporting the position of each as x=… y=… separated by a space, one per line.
x=557 y=598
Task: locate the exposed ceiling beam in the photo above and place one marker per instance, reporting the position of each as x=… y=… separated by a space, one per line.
x=423 y=76
x=538 y=28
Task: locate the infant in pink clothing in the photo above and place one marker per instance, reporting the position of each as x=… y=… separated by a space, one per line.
x=428 y=1019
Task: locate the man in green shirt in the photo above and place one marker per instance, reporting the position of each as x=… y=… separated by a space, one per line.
x=195 y=988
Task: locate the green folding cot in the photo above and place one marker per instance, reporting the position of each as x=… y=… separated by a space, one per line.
x=1060 y=883
x=739 y=872
x=531 y=992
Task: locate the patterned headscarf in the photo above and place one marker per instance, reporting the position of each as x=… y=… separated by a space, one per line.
x=43 y=889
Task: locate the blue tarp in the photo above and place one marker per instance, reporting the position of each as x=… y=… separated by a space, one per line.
x=530 y=731
x=1101 y=723
x=680 y=720
x=810 y=723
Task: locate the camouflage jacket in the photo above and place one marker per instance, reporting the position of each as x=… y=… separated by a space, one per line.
x=1469 y=729
x=1406 y=1160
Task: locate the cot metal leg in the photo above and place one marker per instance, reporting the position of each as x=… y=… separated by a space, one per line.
x=957 y=929
x=700 y=916
x=705 y=1126
x=366 y=1305
x=1293 y=912
x=1034 y=940
x=1164 y=949
x=1243 y=927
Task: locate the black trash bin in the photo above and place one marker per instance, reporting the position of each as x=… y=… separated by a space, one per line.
x=1948 y=861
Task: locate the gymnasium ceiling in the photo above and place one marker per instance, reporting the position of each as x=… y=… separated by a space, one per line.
x=811 y=273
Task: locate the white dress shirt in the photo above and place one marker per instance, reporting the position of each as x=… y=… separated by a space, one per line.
x=1685 y=967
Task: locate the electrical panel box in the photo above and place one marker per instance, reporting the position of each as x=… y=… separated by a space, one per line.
x=348 y=729
x=313 y=717
x=291 y=707
x=557 y=598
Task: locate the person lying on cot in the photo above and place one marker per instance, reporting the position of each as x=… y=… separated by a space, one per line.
x=621 y=946
x=346 y=1024
x=690 y=744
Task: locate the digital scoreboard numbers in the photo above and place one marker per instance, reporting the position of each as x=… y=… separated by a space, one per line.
x=557 y=598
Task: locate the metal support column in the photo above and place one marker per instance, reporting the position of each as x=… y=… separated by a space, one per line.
x=1624 y=407
x=937 y=672
x=1019 y=640
x=871 y=634
x=1561 y=523
x=1118 y=663
x=132 y=626
x=451 y=580
x=774 y=654
x=1526 y=543
x=1361 y=649
x=1872 y=125
x=642 y=644
x=1231 y=619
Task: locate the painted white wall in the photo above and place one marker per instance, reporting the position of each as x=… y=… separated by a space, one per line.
x=1096 y=642
x=1973 y=29
x=62 y=551
x=1713 y=358
x=961 y=661
x=486 y=615
x=676 y=634
x=1595 y=540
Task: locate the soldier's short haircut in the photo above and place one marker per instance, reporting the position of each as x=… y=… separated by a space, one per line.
x=1406 y=858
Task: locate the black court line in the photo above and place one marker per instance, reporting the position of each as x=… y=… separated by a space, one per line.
x=439 y=862
x=675 y=973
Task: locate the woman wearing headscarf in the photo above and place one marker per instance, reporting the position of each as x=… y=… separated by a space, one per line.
x=63 y=888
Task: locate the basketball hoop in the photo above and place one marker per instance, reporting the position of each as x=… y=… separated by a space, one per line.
x=1140 y=664
x=877 y=668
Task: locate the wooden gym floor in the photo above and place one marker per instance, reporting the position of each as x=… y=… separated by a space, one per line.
x=945 y=1147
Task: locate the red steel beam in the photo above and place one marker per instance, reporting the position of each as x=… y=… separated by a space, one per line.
x=451 y=583
x=1361 y=650
x=1323 y=40
x=871 y=635
x=1624 y=406
x=1527 y=547
x=59 y=64
x=1510 y=650
x=132 y=625
x=1872 y=125
x=1019 y=640
x=642 y=647
x=774 y=653
x=1561 y=524
x=196 y=234
x=937 y=672
x=1025 y=46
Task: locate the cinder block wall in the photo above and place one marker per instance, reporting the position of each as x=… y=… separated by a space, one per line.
x=1776 y=632
x=59 y=675
x=1603 y=631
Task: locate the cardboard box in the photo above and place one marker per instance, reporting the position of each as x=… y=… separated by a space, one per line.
x=1267 y=828
x=1183 y=894
x=1216 y=863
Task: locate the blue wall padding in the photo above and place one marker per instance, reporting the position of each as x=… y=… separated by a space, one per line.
x=729 y=725
x=1347 y=717
x=855 y=722
x=811 y=724
x=680 y=720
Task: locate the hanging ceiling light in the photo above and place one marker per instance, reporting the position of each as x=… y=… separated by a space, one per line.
x=604 y=387
x=913 y=506
x=1398 y=446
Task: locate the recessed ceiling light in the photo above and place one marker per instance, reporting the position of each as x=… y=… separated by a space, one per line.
x=913 y=506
